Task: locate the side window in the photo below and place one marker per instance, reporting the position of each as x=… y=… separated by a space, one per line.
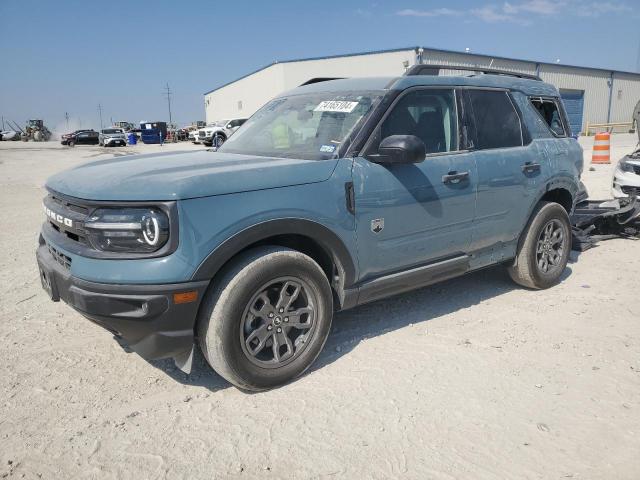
x=496 y=120
x=550 y=113
x=429 y=114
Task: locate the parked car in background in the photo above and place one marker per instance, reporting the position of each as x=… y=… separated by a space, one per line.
x=113 y=137
x=332 y=195
x=80 y=137
x=218 y=132
x=193 y=136
x=6 y=135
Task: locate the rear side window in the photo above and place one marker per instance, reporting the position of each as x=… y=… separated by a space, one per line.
x=496 y=120
x=550 y=113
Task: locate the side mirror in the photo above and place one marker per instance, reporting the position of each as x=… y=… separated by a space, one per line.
x=400 y=149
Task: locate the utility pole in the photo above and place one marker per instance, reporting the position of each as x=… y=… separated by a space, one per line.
x=100 y=112
x=638 y=59
x=66 y=116
x=168 y=94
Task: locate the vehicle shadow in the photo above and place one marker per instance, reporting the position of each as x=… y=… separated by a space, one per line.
x=352 y=327
x=378 y=318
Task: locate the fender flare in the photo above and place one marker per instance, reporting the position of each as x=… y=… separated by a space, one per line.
x=552 y=184
x=322 y=235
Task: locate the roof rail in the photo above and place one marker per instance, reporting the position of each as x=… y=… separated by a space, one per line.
x=434 y=69
x=319 y=79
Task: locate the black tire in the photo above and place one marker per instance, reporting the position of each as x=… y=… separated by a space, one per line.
x=217 y=140
x=226 y=321
x=543 y=250
x=71 y=143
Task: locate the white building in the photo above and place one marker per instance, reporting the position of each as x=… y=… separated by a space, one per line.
x=592 y=95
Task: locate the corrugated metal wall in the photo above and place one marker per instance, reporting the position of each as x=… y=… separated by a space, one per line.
x=467 y=60
x=379 y=64
x=243 y=97
x=626 y=94
x=255 y=90
x=594 y=83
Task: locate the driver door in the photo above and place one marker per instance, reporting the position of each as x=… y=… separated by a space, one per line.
x=409 y=215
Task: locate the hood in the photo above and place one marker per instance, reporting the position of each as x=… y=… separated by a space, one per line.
x=182 y=175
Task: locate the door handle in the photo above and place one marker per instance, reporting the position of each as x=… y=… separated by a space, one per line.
x=453 y=178
x=530 y=167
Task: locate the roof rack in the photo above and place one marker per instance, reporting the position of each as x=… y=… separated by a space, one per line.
x=434 y=69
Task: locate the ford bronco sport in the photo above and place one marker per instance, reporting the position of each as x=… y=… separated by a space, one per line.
x=332 y=195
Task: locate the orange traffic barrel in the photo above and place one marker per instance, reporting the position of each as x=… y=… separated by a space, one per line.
x=601 y=148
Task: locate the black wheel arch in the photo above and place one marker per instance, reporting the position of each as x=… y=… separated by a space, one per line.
x=307 y=236
x=558 y=191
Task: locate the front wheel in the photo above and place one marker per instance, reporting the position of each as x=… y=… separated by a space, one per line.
x=266 y=320
x=543 y=250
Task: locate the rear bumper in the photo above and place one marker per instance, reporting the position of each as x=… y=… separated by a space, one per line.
x=144 y=317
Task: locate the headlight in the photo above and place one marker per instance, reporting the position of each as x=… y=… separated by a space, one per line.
x=130 y=230
x=624 y=166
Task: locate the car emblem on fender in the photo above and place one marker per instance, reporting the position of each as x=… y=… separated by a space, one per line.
x=377 y=225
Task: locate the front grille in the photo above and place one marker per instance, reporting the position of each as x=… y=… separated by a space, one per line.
x=59 y=257
x=67 y=209
x=68 y=204
x=633 y=191
x=201 y=134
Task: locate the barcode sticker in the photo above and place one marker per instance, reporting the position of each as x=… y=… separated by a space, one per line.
x=336 y=106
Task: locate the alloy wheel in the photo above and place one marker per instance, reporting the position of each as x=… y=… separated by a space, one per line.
x=278 y=322
x=551 y=246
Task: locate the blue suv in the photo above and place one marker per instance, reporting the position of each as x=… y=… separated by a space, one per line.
x=332 y=195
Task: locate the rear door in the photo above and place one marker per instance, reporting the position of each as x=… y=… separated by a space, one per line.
x=409 y=215
x=508 y=170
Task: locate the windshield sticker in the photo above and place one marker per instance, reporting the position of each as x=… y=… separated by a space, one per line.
x=336 y=106
x=328 y=148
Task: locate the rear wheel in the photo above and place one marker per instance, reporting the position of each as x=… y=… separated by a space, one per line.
x=544 y=249
x=266 y=320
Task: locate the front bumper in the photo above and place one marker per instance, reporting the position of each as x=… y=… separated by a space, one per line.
x=625 y=183
x=144 y=317
x=114 y=141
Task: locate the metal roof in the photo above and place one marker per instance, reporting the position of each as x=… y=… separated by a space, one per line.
x=439 y=50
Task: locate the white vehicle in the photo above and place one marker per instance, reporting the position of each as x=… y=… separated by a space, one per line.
x=112 y=137
x=626 y=176
x=216 y=133
x=193 y=136
x=7 y=135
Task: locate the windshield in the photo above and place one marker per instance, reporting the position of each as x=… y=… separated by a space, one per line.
x=308 y=126
x=112 y=130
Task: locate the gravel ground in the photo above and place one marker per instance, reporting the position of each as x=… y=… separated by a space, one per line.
x=472 y=378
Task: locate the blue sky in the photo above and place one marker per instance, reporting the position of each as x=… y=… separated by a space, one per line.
x=68 y=56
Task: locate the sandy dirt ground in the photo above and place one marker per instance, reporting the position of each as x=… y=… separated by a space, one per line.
x=474 y=378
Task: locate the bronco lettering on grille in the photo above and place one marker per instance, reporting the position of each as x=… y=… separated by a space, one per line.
x=57 y=217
